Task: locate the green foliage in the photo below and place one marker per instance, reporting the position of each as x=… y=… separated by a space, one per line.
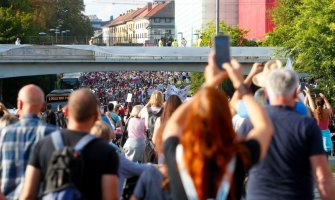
x=197 y=79
x=332 y=167
x=306 y=29
x=69 y=15
x=23 y=18
x=13 y=23
x=237 y=36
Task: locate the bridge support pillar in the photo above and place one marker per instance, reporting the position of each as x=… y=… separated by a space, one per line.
x=1 y=99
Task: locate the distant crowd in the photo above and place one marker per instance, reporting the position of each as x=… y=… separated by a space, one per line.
x=115 y=86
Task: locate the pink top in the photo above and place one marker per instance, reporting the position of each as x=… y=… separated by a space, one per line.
x=323 y=124
x=136 y=128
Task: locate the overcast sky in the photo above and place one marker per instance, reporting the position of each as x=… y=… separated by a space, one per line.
x=104 y=10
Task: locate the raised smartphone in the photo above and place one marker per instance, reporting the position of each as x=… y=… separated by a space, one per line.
x=222 y=50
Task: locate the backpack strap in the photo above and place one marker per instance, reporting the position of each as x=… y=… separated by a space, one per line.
x=185 y=176
x=84 y=141
x=188 y=184
x=57 y=140
x=226 y=180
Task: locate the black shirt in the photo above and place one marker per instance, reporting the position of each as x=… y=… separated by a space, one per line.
x=176 y=185
x=99 y=159
x=285 y=172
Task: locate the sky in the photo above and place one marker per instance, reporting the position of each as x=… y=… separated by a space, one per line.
x=104 y=9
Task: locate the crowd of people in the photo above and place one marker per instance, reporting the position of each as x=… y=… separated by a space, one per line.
x=115 y=86
x=271 y=144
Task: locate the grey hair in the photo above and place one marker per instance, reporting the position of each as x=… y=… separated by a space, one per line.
x=282 y=82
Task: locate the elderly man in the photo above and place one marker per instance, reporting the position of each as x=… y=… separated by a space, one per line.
x=295 y=153
x=99 y=179
x=17 y=140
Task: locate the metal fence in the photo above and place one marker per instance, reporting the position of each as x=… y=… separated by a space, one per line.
x=153 y=40
x=52 y=40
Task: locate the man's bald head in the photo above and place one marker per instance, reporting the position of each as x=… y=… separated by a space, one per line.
x=82 y=105
x=31 y=95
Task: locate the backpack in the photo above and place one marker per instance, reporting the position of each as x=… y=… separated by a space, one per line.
x=65 y=168
x=152 y=120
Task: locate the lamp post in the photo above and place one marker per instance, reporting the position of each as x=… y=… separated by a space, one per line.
x=217 y=17
x=181 y=37
x=63 y=32
x=42 y=34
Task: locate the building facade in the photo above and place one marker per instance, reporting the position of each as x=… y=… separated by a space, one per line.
x=144 y=26
x=191 y=16
x=254 y=15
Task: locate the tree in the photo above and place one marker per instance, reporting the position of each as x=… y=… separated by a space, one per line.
x=306 y=30
x=13 y=23
x=237 y=38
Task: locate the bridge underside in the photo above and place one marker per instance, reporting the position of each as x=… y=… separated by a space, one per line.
x=28 y=60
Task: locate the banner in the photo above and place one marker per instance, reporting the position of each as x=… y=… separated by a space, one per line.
x=182 y=93
x=129 y=96
x=289 y=64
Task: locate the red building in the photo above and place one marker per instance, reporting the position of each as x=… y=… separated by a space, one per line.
x=254 y=15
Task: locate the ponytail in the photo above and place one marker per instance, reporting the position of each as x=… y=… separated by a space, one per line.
x=318 y=112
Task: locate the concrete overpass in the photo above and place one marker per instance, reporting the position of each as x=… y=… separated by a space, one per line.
x=27 y=60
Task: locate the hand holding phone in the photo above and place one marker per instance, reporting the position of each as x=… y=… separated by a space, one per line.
x=222 y=50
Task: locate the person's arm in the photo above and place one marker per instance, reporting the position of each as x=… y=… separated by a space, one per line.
x=256 y=69
x=31 y=183
x=109 y=184
x=310 y=100
x=262 y=127
x=129 y=168
x=323 y=176
x=328 y=105
x=306 y=101
x=156 y=128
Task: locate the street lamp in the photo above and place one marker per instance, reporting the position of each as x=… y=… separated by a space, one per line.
x=41 y=34
x=181 y=37
x=56 y=32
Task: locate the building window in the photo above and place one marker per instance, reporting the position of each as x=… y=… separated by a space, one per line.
x=168 y=20
x=157 y=20
x=168 y=31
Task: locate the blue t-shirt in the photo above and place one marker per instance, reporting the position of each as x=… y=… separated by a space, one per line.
x=149 y=186
x=285 y=172
x=299 y=108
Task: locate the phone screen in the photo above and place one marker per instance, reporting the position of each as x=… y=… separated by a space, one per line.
x=302 y=85
x=222 y=52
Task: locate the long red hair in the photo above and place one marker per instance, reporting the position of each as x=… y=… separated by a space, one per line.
x=318 y=113
x=209 y=140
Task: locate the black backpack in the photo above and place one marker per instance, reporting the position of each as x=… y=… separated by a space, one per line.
x=65 y=168
x=152 y=120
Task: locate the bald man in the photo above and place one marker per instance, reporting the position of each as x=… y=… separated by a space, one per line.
x=17 y=140
x=99 y=180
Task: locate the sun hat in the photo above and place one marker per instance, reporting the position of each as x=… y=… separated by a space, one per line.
x=259 y=79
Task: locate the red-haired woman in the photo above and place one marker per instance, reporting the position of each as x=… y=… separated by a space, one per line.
x=205 y=157
x=322 y=115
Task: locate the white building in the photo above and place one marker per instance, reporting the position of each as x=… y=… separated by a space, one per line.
x=192 y=15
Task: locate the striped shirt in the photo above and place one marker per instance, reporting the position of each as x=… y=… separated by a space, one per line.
x=16 y=143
